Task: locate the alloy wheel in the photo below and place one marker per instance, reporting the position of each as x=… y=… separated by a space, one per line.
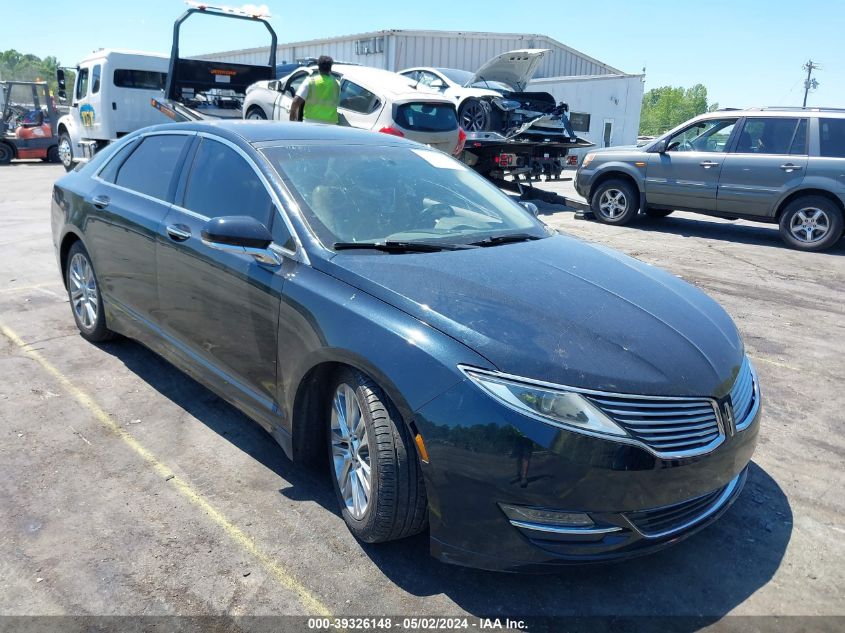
x=84 y=295
x=351 y=451
x=613 y=204
x=473 y=117
x=809 y=225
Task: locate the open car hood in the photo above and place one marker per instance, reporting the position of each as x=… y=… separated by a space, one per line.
x=514 y=68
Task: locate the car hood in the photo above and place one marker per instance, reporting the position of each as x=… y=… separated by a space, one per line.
x=562 y=311
x=514 y=68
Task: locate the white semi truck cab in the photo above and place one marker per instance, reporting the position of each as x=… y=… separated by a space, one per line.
x=110 y=98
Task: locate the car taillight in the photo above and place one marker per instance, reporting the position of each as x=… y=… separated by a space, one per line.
x=505 y=160
x=572 y=159
x=392 y=131
x=462 y=139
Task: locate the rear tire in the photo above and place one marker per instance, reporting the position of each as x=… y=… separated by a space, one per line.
x=657 y=213
x=811 y=223
x=53 y=154
x=615 y=201
x=86 y=303
x=6 y=153
x=255 y=113
x=373 y=464
x=65 y=151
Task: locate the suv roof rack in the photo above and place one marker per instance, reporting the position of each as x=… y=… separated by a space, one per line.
x=799 y=109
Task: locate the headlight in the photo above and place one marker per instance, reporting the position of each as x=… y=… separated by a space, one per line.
x=588 y=159
x=564 y=409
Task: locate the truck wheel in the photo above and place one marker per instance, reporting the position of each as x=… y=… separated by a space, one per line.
x=53 y=154
x=811 y=223
x=657 y=213
x=256 y=114
x=474 y=116
x=373 y=462
x=615 y=202
x=65 y=150
x=6 y=154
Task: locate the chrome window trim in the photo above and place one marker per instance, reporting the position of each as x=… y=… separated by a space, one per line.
x=620 y=439
x=299 y=254
x=554 y=529
x=727 y=493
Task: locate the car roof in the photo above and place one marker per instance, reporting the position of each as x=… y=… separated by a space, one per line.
x=384 y=81
x=774 y=111
x=255 y=132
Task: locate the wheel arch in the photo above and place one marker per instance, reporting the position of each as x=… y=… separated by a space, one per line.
x=615 y=174
x=256 y=106
x=68 y=240
x=810 y=191
x=307 y=429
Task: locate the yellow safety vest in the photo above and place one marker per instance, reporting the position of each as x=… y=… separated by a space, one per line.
x=323 y=97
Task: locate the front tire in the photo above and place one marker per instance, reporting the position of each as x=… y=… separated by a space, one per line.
x=6 y=153
x=65 y=151
x=373 y=462
x=615 y=201
x=811 y=223
x=255 y=113
x=474 y=116
x=86 y=303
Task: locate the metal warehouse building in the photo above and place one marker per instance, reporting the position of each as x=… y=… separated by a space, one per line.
x=604 y=100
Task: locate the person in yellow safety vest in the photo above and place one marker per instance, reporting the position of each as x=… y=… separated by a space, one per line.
x=318 y=96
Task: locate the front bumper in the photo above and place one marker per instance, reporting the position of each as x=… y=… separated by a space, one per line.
x=482 y=455
x=583 y=181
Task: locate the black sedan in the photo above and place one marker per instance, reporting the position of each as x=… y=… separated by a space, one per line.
x=376 y=305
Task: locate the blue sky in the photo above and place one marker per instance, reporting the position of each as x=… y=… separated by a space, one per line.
x=747 y=52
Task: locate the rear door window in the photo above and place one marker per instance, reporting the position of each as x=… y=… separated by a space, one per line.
x=832 y=138
x=151 y=168
x=223 y=183
x=426 y=117
x=109 y=172
x=770 y=135
x=357 y=98
x=95 y=79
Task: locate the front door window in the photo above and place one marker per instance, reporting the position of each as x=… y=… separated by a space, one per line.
x=711 y=135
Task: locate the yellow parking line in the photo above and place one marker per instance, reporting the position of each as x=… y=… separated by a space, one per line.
x=760 y=359
x=308 y=599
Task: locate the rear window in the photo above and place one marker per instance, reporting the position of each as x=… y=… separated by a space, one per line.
x=832 y=138
x=426 y=117
x=151 y=167
x=141 y=79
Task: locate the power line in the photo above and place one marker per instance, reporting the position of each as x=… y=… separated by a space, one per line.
x=810 y=82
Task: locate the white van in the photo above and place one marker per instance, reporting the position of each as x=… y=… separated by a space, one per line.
x=110 y=98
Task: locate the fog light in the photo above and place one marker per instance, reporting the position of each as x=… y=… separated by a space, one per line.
x=547 y=517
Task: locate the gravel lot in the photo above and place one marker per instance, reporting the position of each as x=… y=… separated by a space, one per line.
x=126 y=488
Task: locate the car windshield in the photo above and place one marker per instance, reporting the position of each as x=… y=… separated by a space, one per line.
x=355 y=194
x=460 y=77
x=493 y=85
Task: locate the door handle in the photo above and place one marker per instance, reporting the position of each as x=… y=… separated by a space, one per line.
x=101 y=202
x=178 y=232
x=790 y=167
x=707 y=164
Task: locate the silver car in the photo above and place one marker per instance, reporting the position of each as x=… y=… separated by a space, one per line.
x=370 y=99
x=777 y=165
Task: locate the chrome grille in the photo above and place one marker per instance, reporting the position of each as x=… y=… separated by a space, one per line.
x=744 y=396
x=670 y=427
x=660 y=522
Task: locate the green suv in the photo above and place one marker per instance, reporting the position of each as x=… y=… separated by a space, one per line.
x=778 y=165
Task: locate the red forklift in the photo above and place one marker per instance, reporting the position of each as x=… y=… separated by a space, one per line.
x=28 y=119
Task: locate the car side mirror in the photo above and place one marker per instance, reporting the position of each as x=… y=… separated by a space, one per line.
x=659 y=147
x=60 y=83
x=438 y=84
x=530 y=207
x=242 y=235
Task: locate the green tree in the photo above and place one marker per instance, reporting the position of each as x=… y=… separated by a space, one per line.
x=668 y=106
x=25 y=67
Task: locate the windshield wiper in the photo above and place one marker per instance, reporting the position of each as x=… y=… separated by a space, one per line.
x=495 y=240
x=391 y=246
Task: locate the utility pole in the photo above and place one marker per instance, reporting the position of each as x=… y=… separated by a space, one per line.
x=809 y=82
